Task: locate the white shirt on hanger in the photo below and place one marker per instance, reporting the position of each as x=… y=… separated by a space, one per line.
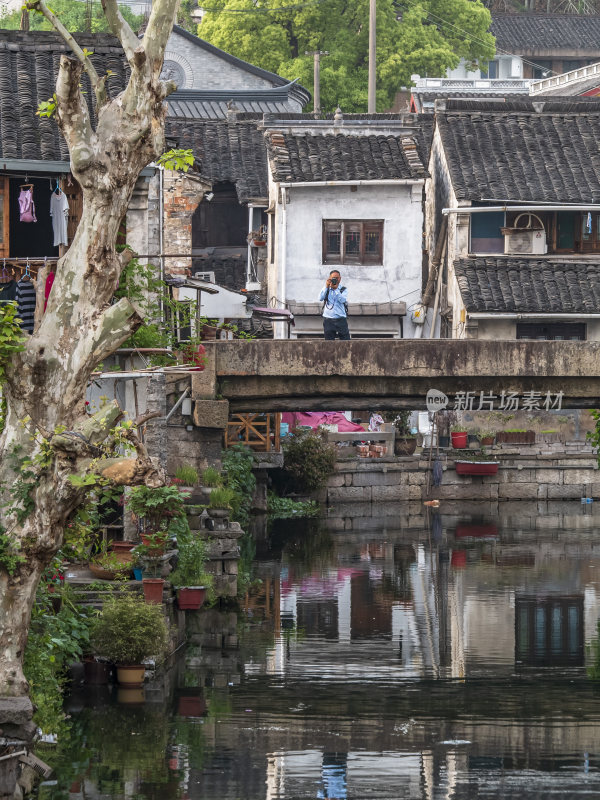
x=59 y=211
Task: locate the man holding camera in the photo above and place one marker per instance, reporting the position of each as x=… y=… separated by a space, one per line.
x=335 y=307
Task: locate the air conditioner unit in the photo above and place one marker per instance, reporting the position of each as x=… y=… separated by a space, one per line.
x=525 y=241
x=209 y=277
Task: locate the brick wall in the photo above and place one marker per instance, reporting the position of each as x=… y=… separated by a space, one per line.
x=182 y=194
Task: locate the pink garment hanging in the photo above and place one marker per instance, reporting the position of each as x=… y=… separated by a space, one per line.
x=27 y=206
x=47 y=287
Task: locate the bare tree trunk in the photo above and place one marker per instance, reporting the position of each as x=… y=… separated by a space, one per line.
x=46 y=384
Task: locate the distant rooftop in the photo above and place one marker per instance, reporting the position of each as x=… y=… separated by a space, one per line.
x=532 y=33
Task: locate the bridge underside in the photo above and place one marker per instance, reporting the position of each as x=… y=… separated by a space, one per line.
x=287 y=375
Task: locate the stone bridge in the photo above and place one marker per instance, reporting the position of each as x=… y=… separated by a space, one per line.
x=296 y=375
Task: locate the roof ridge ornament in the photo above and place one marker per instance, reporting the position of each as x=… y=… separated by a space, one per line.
x=338 y=116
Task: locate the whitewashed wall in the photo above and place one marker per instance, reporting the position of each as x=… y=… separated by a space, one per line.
x=298 y=274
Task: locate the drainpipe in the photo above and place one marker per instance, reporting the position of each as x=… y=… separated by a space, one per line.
x=489 y=209
x=438 y=292
x=283 y=270
x=250 y=229
x=161 y=213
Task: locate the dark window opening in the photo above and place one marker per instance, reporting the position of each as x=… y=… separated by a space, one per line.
x=222 y=221
x=486 y=236
x=554 y=331
x=542 y=69
x=349 y=241
x=549 y=632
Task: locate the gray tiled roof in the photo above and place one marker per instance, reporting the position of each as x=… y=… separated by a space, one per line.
x=192 y=103
x=520 y=33
x=529 y=285
x=523 y=155
x=226 y=151
x=28 y=67
x=342 y=157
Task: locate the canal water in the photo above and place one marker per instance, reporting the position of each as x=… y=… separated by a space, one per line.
x=387 y=652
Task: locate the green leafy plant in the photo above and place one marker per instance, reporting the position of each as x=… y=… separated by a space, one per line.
x=457 y=428
x=283 y=507
x=47 y=108
x=483 y=434
x=187 y=474
x=155 y=507
x=177 y=159
x=10 y=557
x=308 y=459
x=11 y=336
x=222 y=497
x=55 y=641
x=401 y=423
x=128 y=630
x=238 y=462
x=190 y=569
x=211 y=477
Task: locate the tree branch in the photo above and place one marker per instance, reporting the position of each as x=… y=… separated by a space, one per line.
x=118 y=322
x=96 y=81
x=119 y=26
x=72 y=112
x=158 y=31
x=90 y=432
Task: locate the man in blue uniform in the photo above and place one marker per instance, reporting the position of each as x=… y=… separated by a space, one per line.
x=335 y=308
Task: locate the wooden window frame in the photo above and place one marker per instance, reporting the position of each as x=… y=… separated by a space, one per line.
x=362 y=226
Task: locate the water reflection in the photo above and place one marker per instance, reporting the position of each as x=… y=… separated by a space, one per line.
x=408 y=655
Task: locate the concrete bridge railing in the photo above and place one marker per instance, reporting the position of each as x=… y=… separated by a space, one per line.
x=293 y=375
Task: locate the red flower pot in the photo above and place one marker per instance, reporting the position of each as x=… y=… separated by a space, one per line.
x=476 y=531
x=191 y=706
x=190 y=598
x=459 y=440
x=476 y=467
x=153 y=590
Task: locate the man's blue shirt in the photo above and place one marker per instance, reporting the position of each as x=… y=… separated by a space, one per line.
x=334 y=307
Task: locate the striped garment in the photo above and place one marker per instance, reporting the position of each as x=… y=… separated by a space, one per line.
x=26 y=304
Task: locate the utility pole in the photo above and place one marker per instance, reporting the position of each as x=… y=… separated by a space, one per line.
x=371 y=105
x=317 y=78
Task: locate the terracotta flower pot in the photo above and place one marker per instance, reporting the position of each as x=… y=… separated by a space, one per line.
x=190 y=598
x=130 y=676
x=487 y=441
x=209 y=332
x=459 y=439
x=153 y=590
x=404 y=446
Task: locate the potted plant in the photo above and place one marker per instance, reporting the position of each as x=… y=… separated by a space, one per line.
x=220 y=503
x=515 y=436
x=476 y=464
x=208 y=328
x=405 y=443
x=459 y=437
x=444 y=421
x=210 y=479
x=189 y=576
x=108 y=566
x=258 y=238
x=126 y=632
x=186 y=478
x=149 y=557
x=486 y=438
x=154 y=508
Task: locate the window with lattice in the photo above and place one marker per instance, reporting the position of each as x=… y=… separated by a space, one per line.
x=351 y=241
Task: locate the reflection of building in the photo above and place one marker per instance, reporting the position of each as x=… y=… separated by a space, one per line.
x=549 y=631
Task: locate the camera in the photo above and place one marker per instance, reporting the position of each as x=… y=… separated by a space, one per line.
x=334 y=282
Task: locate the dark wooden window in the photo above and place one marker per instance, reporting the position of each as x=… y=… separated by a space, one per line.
x=350 y=241
x=556 y=331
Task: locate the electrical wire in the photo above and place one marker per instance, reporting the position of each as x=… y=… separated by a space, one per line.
x=271 y=9
x=499 y=50
x=444 y=21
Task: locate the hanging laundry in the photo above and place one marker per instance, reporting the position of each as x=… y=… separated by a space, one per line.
x=26 y=204
x=26 y=304
x=8 y=291
x=589 y=222
x=47 y=287
x=59 y=211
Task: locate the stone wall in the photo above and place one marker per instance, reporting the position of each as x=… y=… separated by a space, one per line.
x=520 y=477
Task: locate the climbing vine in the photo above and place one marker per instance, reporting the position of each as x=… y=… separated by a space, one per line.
x=11 y=342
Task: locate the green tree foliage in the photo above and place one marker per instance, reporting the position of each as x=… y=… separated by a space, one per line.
x=72 y=14
x=432 y=36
